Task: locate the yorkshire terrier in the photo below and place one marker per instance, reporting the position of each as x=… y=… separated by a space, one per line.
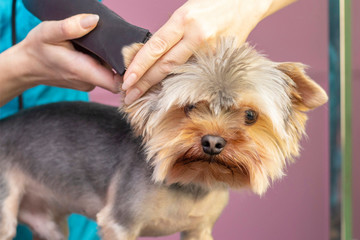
x=228 y=118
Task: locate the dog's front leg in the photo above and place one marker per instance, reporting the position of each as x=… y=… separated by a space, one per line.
x=110 y=229
x=197 y=234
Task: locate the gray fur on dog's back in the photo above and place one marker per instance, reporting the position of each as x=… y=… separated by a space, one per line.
x=75 y=143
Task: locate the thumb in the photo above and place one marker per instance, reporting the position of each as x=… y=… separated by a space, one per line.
x=69 y=28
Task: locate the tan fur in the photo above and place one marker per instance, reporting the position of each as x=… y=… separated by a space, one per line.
x=204 y=234
x=129 y=52
x=312 y=95
x=10 y=207
x=172 y=213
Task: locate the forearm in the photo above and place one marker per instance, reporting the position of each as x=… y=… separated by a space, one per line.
x=13 y=74
x=260 y=9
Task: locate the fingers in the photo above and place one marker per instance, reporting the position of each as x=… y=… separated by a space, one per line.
x=70 y=28
x=161 y=42
x=176 y=56
x=91 y=71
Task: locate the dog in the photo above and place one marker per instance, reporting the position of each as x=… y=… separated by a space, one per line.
x=227 y=119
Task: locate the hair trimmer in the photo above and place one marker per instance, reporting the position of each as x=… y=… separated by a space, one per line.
x=106 y=40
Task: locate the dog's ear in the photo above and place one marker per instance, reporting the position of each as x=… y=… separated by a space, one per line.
x=129 y=52
x=309 y=93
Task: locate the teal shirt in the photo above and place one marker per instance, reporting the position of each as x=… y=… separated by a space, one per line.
x=80 y=227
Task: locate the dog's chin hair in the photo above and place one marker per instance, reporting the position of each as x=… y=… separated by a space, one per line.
x=234 y=168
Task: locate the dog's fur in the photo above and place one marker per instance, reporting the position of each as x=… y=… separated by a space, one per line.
x=149 y=174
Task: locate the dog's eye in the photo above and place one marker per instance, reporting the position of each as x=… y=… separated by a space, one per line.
x=250 y=117
x=188 y=108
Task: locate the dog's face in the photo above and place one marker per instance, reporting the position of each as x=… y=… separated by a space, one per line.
x=230 y=117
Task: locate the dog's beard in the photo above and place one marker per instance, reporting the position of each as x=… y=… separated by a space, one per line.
x=196 y=167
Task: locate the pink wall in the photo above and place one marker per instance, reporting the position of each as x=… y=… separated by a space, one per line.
x=296 y=207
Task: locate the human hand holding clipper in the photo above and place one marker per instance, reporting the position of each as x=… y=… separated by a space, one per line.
x=46 y=56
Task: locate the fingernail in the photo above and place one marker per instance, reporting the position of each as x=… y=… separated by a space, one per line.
x=89 y=21
x=129 y=81
x=132 y=96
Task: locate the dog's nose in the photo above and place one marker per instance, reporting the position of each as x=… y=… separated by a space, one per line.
x=212 y=145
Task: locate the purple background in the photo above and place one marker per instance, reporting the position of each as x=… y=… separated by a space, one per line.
x=296 y=207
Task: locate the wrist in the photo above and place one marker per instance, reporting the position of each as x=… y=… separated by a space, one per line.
x=18 y=66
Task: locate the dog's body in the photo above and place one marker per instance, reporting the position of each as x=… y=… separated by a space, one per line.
x=84 y=158
x=226 y=119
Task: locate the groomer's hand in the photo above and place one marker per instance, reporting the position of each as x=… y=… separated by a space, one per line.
x=58 y=63
x=46 y=56
x=191 y=26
